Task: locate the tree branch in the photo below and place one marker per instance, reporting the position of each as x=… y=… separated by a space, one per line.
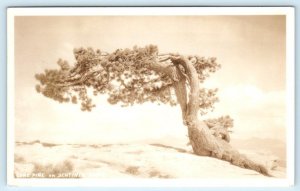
x=178 y=78
x=191 y=73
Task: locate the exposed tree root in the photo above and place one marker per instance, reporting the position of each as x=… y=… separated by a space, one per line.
x=205 y=144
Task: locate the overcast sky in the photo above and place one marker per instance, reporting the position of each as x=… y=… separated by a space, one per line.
x=251 y=82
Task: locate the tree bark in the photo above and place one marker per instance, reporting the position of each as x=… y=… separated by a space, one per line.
x=201 y=139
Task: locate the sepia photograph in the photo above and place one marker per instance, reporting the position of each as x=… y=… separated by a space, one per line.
x=151 y=96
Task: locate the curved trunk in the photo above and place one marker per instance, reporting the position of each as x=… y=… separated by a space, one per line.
x=201 y=139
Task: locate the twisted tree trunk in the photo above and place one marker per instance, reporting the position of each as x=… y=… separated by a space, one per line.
x=201 y=138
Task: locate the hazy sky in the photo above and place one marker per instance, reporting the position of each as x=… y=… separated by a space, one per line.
x=251 y=82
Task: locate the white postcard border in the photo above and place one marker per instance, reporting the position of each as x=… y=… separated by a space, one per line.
x=163 y=11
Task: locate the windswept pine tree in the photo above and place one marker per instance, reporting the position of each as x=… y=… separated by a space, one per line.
x=139 y=75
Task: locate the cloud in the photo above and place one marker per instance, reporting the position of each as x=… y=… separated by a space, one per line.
x=256 y=113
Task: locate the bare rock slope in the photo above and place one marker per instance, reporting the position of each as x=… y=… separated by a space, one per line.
x=142 y=160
